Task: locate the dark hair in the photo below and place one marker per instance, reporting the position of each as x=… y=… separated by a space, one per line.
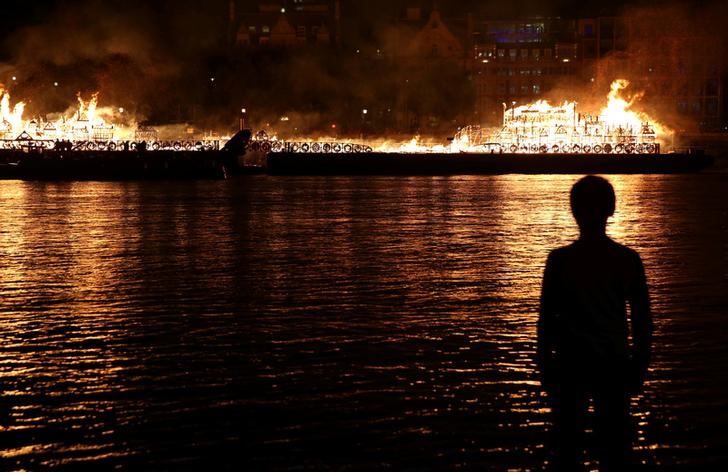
x=592 y=200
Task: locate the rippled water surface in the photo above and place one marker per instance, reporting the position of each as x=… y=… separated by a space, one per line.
x=339 y=323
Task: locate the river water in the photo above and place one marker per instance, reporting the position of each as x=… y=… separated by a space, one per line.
x=339 y=323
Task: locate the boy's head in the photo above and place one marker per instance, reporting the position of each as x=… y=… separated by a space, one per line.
x=592 y=202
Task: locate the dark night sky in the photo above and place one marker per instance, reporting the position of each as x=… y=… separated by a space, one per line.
x=17 y=13
x=162 y=52
x=180 y=26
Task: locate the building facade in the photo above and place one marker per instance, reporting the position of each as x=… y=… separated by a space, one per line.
x=285 y=24
x=517 y=62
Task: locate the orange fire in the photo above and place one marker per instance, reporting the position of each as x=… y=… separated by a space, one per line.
x=86 y=122
x=545 y=128
x=538 y=127
x=10 y=118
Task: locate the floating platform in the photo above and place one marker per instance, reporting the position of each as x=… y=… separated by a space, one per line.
x=380 y=163
x=29 y=160
x=112 y=165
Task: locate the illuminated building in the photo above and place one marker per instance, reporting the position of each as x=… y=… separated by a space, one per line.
x=519 y=60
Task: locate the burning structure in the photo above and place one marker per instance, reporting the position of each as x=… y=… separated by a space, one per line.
x=90 y=143
x=537 y=138
x=542 y=128
x=535 y=128
x=86 y=127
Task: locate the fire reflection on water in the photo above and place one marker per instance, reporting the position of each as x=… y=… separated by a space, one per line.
x=159 y=323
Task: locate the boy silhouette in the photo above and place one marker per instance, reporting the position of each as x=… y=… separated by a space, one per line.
x=584 y=348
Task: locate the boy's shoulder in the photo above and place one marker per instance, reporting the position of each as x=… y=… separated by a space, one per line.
x=579 y=248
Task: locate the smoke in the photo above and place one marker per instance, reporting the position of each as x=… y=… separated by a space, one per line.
x=676 y=60
x=139 y=55
x=673 y=57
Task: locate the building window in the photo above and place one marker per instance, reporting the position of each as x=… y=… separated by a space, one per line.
x=711 y=87
x=536 y=53
x=524 y=53
x=711 y=107
x=512 y=54
x=266 y=29
x=547 y=53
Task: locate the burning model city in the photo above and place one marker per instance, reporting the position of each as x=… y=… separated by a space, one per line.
x=86 y=127
x=534 y=128
x=102 y=145
x=527 y=129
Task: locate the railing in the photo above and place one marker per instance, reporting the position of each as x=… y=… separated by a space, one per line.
x=108 y=145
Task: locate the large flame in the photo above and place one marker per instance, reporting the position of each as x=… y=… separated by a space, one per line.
x=545 y=128
x=10 y=118
x=85 y=122
x=87 y=109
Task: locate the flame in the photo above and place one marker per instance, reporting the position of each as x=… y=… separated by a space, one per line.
x=10 y=118
x=415 y=145
x=87 y=109
x=618 y=112
x=86 y=122
x=540 y=127
x=91 y=127
x=537 y=127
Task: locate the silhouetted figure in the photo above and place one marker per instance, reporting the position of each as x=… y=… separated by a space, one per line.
x=584 y=350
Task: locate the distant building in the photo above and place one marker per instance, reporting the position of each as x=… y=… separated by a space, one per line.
x=285 y=24
x=679 y=70
x=518 y=61
x=435 y=40
x=424 y=48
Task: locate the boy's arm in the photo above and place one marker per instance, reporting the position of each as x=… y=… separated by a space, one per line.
x=639 y=302
x=545 y=341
